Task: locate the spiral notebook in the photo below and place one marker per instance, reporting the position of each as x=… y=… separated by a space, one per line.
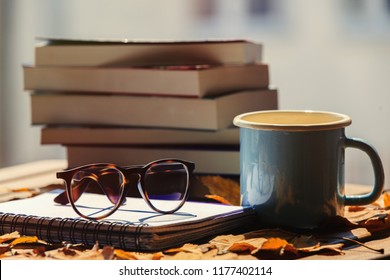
x=133 y=227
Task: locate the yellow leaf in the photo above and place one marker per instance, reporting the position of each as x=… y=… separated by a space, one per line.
x=218 y=198
x=274 y=244
x=386 y=199
x=123 y=255
x=157 y=256
x=25 y=239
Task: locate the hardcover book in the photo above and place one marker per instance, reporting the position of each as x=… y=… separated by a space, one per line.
x=184 y=81
x=147 y=111
x=125 y=52
x=217 y=159
x=95 y=135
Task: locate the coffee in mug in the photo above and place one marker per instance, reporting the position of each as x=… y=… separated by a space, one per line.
x=292 y=166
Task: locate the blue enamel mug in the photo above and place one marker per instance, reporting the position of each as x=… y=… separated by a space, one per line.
x=292 y=166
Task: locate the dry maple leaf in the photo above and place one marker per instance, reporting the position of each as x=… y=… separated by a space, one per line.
x=227 y=188
x=274 y=244
x=251 y=245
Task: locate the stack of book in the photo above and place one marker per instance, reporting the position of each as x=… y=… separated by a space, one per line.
x=132 y=102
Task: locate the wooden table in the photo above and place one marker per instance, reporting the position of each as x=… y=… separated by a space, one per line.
x=31 y=178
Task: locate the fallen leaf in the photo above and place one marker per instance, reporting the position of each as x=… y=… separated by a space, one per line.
x=330 y=247
x=183 y=256
x=305 y=241
x=274 y=244
x=218 y=198
x=227 y=188
x=4 y=248
x=24 y=239
x=108 y=252
x=123 y=255
x=250 y=245
x=377 y=223
x=67 y=251
x=188 y=248
x=9 y=236
x=40 y=251
x=356 y=208
x=157 y=256
x=386 y=200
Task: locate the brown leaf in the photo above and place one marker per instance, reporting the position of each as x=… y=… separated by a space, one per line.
x=4 y=249
x=250 y=245
x=108 y=252
x=67 y=251
x=356 y=208
x=227 y=188
x=40 y=251
x=378 y=223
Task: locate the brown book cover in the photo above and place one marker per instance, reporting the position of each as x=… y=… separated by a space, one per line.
x=186 y=81
x=125 y=52
x=148 y=111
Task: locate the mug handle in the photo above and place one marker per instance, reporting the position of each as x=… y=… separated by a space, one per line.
x=379 y=175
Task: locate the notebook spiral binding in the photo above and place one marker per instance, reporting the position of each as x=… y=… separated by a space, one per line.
x=74 y=230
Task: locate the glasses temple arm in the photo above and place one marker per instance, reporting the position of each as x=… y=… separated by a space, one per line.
x=62 y=198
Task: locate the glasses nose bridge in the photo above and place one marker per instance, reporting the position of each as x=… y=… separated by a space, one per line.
x=132 y=175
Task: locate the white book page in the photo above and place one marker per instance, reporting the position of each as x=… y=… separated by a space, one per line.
x=135 y=210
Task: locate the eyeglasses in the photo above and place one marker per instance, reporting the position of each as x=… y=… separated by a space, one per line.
x=163 y=184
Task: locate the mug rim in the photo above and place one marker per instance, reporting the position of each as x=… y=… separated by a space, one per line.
x=342 y=122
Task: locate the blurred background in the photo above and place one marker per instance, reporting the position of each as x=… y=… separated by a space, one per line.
x=329 y=55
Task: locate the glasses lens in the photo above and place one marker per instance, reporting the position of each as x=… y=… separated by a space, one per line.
x=166 y=185
x=96 y=190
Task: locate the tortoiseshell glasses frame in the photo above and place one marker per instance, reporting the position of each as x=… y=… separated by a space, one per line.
x=163 y=184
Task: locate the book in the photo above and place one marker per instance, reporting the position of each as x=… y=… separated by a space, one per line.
x=183 y=81
x=217 y=159
x=133 y=227
x=147 y=111
x=109 y=53
x=81 y=135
